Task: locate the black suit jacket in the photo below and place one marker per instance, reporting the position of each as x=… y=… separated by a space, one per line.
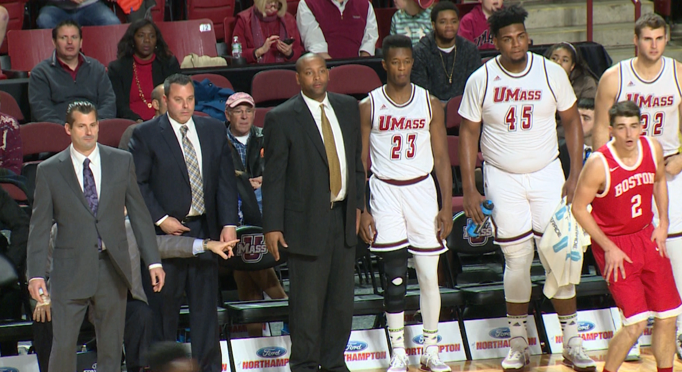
x=121 y=75
x=163 y=178
x=296 y=178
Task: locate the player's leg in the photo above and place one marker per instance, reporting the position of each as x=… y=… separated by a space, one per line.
x=513 y=232
x=663 y=343
x=620 y=345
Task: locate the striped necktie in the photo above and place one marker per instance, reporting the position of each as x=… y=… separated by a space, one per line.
x=195 y=180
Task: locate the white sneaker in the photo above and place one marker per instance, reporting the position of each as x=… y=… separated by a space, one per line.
x=575 y=357
x=516 y=359
x=399 y=362
x=634 y=353
x=431 y=362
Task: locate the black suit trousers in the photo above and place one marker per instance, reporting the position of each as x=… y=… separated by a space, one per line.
x=321 y=302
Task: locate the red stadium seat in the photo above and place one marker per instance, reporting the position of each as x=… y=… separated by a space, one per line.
x=15 y=10
x=101 y=42
x=292 y=7
x=259 y=120
x=384 y=16
x=217 y=80
x=353 y=80
x=25 y=58
x=274 y=85
x=452 y=118
x=228 y=27
x=43 y=137
x=111 y=130
x=15 y=192
x=9 y=106
x=215 y=10
x=159 y=11
x=187 y=37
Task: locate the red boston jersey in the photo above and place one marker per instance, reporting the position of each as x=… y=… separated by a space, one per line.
x=624 y=207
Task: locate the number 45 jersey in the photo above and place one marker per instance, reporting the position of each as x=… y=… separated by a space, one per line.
x=400 y=140
x=518 y=112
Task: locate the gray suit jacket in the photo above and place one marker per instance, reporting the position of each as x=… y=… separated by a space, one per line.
x=59 y=197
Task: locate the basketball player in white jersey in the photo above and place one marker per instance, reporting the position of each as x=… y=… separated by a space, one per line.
x=403 y=130
x=652 y=81
x=516 y=96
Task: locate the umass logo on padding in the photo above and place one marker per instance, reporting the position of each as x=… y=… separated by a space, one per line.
x=251 y=248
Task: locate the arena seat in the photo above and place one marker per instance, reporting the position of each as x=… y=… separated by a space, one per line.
x=354 y=80
x=274 y=86
x=383 y=16
x=217 y=80
x=15 y=10
x=111 y=130
x=39 y=138
x=187 y=37
x=215 y=10
x=9 y=106
x=228 y=27
x=158 y=11
x=452 y=117
x=101 y=42
x=292 y=7
x=23 y=58
x=259 y=120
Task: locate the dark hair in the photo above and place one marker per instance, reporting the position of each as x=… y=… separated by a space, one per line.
x=126 y=47
x=586 y=103
x=441 y=6
x=505 y=17
x=580 y=69
x=66 y=22
x=163 y=353
x=175 y=79
x=395 y=41
x=84 y=107
x=626 y=109
x=651 y=20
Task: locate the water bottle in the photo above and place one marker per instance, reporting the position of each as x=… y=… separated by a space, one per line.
x=236 y=47
x=472 y=228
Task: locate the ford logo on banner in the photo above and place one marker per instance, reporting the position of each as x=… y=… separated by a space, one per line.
x=271 y=352
x=8 y=369
x=502 y=332
x=585 y=326
x=354 y=346
x=419 y=339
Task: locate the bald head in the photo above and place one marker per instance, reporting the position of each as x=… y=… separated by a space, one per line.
x=158 y=103
x=312 y=75
x=306 y=59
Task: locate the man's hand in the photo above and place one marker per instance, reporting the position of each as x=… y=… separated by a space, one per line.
x=228 y=234
x=368 y=230
x=158 y=278
x=673 y=164
x=256 y=182
x=42 y=313
x=444 y=221
x=220 y=248
x=569 y=187
x=364 y=54
x=35 y=285
x=266 y=45
x=272 y=241
x=284 y=48
x=172 y=226
x=472 y=206
x=613 y=259
x=659 y=236
x=324 y=55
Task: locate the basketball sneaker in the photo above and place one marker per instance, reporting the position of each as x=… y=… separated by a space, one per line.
x=399 y=362
x=575 y=357
x=518 y=357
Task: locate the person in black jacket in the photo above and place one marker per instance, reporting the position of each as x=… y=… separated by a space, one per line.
x=144 y=61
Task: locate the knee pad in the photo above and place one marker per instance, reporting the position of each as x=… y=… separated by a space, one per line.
x=518 y=258
x=395 y=271
x=565 y=292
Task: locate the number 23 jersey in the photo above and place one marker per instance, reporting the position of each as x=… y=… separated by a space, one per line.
x=518 y=112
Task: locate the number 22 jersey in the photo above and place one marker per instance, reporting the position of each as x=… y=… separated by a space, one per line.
x=518 y=112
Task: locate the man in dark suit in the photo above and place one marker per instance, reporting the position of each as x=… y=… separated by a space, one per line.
x=85 y=190
x=186 y=176
x=313 y=189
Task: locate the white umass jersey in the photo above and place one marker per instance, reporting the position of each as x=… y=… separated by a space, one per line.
x=400 y=140
x=517 y=112
x=658 y=100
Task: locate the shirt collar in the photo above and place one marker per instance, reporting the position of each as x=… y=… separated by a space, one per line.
x=314 y=105
x=81 y=60
x=176 y=125
x=80 y=158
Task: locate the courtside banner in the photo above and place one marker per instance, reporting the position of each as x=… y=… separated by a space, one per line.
x=645 y=338
x=489 y=338
x=19 y=363
x=269 y=354
x=595 y=327
x=450 y=342
x=226 y=356
x=367 y=349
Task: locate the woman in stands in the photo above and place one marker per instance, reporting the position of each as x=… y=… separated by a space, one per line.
x=144 y=61
x=268 y=33
x=583 y=80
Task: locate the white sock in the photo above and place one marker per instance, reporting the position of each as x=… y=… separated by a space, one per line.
x=517 y=330
x=396 y=330
x=569 y=326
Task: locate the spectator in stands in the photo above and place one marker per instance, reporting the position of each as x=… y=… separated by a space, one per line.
x=338 y=28
x=159 y=106
x=583 y=80
x=171 y=357
x=586 y=111
x=413 y=19
x=474 y=25
x=4 y=20
x=443 y=60
x=144 y=61
x=268 y=33
x=83 y=12
x=11 y=157
x=69 y=76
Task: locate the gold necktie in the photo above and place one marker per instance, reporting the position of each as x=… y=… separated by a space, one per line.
x=332 y=156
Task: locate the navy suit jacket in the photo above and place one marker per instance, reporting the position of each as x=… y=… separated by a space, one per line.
x=163 y=178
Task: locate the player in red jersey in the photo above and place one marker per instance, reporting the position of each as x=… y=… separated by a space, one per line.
x=620 y=180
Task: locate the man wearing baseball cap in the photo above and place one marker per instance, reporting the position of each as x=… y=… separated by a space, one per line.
x=413 y=19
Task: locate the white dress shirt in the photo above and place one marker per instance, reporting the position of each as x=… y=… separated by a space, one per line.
x=313 y=38
x=316 y=111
